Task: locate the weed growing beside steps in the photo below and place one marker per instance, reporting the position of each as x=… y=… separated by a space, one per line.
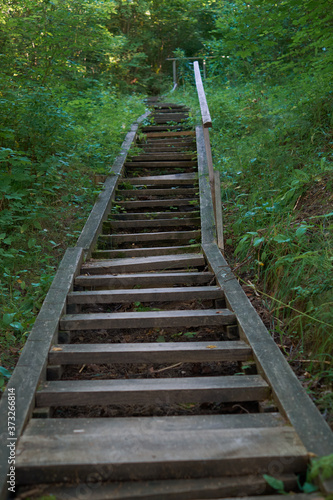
x=273 y=146
x=45 y=198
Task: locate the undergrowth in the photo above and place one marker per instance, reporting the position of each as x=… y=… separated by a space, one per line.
x=52 y=144
x=273 y=146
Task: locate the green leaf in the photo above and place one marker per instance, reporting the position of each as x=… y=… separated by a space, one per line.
x=301 y=231
x=309 y=488
x=4 y=372
x=17 y=326
x=330 y=214
x=276 y=484
x=160 y=339
x=31 y=242
x=257 y=241
x=8 y=318
x=281 y=239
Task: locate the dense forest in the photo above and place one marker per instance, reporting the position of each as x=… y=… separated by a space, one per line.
x=74 y=76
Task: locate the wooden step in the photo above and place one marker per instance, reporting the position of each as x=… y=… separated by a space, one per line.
x=146 y=295
x=155 y=215
x=161 y=164
x=157 y=223
x=140 y=193
x=170 y=106
x=144 y=252
x=168 y=147
x=168 y=142
x=145 y=280
x=52 y=449
x=163 y=180
x=169 y=116
x=184 y=489
x=147 y=391
x=158 y=353
x=148 y=319
x=151 y=204
x=170 y=156
x=170 y=134
x=166 y=138
x=161 y=128
x=117 y=239
x=143 y=264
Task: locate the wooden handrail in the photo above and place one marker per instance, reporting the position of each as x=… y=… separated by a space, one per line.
x=214 y=180
x=205 y=114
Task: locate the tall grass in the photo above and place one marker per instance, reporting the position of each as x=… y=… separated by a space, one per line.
x=272 y=145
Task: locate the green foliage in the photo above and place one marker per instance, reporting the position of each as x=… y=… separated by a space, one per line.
x=321 y=466
x=273 y=38
x=59 y=40
x=270 y=157
x=276 y=484
x=4 y=374
x=52 y=141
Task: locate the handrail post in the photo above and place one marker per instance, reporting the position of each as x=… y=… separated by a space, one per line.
x=210 y=166
x=219 y=215
x=174 y=71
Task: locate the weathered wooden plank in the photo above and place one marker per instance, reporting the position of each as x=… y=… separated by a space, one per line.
x=158 y=223
x=184 y=489
x=168 y=139
x=171 y=202
x=145 y=280
x=144 y=252
x=155 y=215
x=139 y=193
x=206 y=119
x=173 y=179
x=31 y=367
x=145 y=295
x=163 y=424
x=161 y=128
x=174 y=156
x=169 y=116
x=168 y=142
x=170 y=134
x=161 y=164
x=167 y=148
x=49 y=452
x=218 y=211
x=143 y=264
x=102 y=206
x=208 y=227
x=166 y=352
x=170 y=106
x=146 y=391
x=149 y=319
x=117 y=239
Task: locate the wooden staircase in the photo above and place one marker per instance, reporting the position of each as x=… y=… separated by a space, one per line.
x=155 y=386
